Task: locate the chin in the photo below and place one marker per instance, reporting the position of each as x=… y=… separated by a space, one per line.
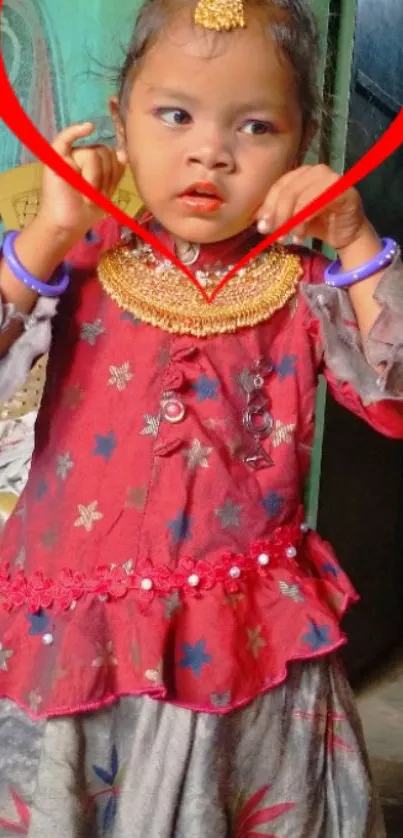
x=203 y=230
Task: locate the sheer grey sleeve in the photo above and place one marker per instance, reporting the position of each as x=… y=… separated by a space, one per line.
x=33 y=342
x=374 y=367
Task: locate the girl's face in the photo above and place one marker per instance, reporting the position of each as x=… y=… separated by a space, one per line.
x=212 y=122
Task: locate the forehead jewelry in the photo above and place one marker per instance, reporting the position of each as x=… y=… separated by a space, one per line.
x=220 y=14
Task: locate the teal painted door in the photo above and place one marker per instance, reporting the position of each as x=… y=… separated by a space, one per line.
x=59 y=56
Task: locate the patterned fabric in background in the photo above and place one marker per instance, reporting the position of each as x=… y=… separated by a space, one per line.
x=58 y=57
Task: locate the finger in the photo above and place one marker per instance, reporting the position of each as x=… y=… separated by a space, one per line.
x=310 y=183
x=307 y=197
x=63 y=143
x=266 y=222
x=297 y=180
x=91 y=168
x=105 y=160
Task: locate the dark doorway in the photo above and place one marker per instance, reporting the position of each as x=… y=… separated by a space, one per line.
x=361 y=499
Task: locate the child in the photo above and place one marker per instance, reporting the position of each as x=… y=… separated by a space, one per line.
x=168 y=624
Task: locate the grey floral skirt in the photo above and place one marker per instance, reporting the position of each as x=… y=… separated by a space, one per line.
x=290 y=765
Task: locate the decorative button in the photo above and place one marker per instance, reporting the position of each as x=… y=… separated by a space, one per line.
x=146 y=584
x=263 y=559
x=173 y=410
x=194 y=580
x=235 y=572
x=291 y=552
x=304 y=527
x=47 y=639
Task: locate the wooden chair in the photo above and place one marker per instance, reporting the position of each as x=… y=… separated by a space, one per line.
x=20 y=191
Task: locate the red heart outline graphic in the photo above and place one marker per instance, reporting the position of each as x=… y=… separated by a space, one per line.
x=20 y=124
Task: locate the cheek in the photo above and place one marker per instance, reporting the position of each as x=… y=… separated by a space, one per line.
x=263 y=166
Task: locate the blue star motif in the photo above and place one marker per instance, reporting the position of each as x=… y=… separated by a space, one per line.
x=105 y=445
x=180 y=528
x=286 y=367
x=194 y=657
x=206 y=388
x=317 y=636
x=41 y=489
x=328 y=567
x=127 y=315
x=272 y=503
x=39 y=622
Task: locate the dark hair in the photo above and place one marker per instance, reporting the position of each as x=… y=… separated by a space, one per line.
x=293 y=28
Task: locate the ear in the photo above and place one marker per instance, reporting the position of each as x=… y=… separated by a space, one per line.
x=117 y=120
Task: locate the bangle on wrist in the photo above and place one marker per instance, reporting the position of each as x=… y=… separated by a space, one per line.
x=58 y=283
x=342 y=279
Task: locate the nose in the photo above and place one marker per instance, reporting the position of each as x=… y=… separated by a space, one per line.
x=212 y=151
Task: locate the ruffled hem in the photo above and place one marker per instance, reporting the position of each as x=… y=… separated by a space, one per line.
x=346 y=357
x=212 y=646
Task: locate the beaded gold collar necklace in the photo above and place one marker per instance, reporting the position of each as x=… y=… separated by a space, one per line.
x=157 y=292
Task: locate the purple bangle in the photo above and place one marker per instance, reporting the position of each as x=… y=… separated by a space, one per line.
x=338 y=279
x=59 y=281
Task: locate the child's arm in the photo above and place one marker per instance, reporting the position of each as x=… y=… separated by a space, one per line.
x=366 y=308
x=40 y=249
x=342 y=225
x=364 y=374
x=63 y=219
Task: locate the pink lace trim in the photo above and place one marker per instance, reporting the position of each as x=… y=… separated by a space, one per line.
x=190 y=577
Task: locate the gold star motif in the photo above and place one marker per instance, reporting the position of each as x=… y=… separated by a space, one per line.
x=5 y=655
x=88 y=515
x=197 y=455
x=120 y=376
x=255 y=640
x=105 y=657
x=234 y=599
x=73 y=397
x=154 y=675
x=282 y=433
x=136 y=496
x=35 y=700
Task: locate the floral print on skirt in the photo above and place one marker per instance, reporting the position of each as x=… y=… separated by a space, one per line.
x=292 y=764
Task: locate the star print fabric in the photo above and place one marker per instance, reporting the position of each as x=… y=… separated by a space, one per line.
x=147 y=768
x=161 y=528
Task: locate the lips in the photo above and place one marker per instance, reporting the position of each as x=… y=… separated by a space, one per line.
x=202 y=197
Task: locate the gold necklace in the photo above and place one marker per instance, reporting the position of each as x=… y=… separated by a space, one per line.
x=157 y=292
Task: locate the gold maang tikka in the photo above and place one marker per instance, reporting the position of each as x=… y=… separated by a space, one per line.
x=220 y=14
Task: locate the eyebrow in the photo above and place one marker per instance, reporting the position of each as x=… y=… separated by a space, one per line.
x=173 y=94
x=245 y=107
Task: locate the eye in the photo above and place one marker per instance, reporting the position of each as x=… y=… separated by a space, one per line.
x=173 y=116
x=257 y=127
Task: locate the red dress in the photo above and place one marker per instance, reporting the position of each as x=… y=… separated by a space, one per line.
x=159 y=546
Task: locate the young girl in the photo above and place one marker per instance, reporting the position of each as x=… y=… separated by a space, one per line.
x=168 y=624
